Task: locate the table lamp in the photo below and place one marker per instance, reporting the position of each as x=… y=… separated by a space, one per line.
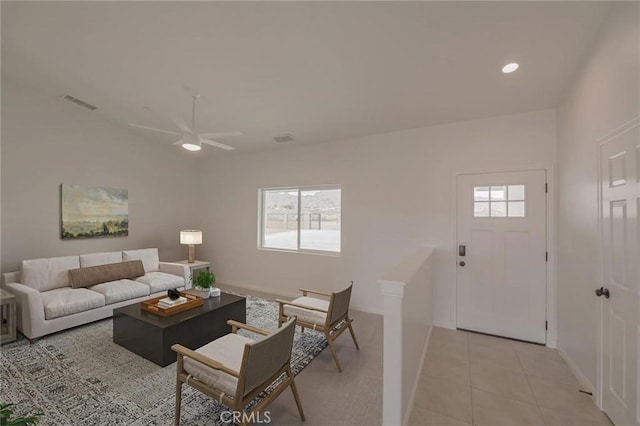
x=191 y=237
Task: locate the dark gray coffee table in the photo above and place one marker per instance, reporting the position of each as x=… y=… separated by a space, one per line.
x=151 y=336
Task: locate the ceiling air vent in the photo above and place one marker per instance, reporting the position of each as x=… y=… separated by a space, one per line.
x=79 y=102
x=284 y=138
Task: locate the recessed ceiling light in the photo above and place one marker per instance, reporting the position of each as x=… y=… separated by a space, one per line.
x=509 y=68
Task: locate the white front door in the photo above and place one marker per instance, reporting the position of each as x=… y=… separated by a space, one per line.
x=620 y=202
x=501 y=254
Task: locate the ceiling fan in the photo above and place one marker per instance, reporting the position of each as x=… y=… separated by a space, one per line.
x=192 y=140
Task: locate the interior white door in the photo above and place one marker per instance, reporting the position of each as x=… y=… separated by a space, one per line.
x=501 y=254
x=620 y=202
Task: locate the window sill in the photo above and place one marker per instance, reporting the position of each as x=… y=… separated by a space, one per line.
x=313 y=252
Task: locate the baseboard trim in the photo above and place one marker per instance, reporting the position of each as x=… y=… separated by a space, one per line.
x=366 y=310
x=445 y=324
x=552 y=343
x=414 y=390
x=582 y=379
x=273 y=291
x=287 y=295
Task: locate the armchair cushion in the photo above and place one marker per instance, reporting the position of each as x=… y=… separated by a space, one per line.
x=314 y=317
x=227 y=350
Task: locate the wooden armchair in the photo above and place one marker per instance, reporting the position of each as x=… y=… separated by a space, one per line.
x=235 y=369
x=328 y=316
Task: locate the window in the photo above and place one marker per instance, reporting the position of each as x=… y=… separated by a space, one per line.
x=301 y=219
x=499 y=201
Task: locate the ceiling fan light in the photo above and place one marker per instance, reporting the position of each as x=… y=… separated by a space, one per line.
x=191 y=147
x=509 y=68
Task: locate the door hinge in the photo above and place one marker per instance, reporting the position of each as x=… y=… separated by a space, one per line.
x=546 y=256
x=546 y=187
x=546 y=325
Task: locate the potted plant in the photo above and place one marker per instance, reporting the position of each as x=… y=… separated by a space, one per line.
x=203 y=283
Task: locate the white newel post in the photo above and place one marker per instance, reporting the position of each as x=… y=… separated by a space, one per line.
x=393 y=292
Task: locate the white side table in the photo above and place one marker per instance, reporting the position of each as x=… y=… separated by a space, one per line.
x=7 y=316
x=196 y=265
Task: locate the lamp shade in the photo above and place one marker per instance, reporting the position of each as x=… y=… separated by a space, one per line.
x=190 y=236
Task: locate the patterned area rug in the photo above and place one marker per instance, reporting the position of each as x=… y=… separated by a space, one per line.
x=80 y=377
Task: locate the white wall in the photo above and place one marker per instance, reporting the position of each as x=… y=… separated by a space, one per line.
x=48 y=141
x=604 y=96
x=397 y=195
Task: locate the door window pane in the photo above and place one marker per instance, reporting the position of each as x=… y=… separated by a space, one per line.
x=481 y=193
x=280 y=220
x=516 y=208
x=498 y=193
x=516 y=192
x=481 y=209
x=498 y=209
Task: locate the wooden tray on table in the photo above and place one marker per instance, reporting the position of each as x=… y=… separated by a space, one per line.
x=151 y=305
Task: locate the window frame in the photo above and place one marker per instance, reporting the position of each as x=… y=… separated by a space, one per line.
x=299 y=190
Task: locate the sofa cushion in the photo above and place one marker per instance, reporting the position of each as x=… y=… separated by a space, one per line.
x=227 y=350
x=66 y=301
x=314 y=317
x=160 y=281
x=48 y=274
x=117 y=291
x=85 y=277
x=95 y=259
x=149 y=258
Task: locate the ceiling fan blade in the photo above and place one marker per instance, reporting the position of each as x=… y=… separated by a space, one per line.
x=155 y=129
x=176 y=121
x=179 y=143
x=216 y=144
x=180 y=124
x=220 y=134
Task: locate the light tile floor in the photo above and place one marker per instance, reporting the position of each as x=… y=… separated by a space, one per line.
x=473 y=379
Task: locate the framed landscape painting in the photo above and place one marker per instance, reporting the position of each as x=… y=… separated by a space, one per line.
x=94 y=212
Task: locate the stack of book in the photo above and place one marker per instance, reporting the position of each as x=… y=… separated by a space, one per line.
x=168 y=303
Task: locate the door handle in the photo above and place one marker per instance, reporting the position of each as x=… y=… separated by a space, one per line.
x=603 y=292
x=462 y=263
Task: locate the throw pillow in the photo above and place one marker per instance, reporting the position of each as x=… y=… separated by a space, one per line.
x=86 y=277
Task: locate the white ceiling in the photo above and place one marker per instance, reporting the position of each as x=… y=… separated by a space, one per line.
x=322 y=71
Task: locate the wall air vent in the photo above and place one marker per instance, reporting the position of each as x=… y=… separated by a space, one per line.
x=284 y=138
x=79 y=102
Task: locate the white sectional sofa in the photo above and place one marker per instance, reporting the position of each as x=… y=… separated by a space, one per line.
x=46 y=302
